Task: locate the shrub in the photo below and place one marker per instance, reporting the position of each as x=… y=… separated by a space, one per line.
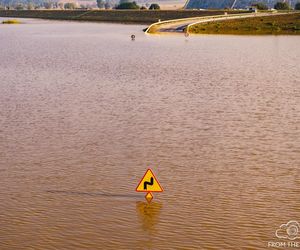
x=154 y=6
x=260 y=6
x=282 y=6
x=127 y=5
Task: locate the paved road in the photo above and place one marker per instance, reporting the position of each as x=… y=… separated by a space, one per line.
x=179 y=26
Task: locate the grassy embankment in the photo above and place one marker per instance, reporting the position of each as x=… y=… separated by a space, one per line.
x=277 y=25
x=123 y=16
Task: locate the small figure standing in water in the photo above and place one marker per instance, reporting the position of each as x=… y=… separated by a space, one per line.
x=186 y=34
x=132 y=37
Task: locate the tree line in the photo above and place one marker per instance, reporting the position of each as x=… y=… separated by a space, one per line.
x=51 y=4
x=111 y=4
x=278 y=6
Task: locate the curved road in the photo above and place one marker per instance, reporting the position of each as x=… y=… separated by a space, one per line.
x=182 y=25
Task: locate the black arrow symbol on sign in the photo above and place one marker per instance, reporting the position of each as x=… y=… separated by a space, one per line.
x=148 y=183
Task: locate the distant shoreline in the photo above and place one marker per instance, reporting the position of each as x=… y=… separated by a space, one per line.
x=119 y=16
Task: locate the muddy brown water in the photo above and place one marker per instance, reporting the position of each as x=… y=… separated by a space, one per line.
x=84 y=111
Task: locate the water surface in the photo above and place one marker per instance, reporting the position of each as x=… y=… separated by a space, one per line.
x=84 y=111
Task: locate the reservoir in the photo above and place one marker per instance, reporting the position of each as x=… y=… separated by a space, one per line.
x=84 y=111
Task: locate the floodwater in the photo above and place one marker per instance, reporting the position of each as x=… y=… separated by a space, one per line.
x=84 y=111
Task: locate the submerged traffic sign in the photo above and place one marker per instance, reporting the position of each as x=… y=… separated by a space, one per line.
x=149 y=184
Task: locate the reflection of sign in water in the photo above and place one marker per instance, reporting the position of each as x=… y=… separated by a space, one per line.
x=149 y=184
x=149 y=215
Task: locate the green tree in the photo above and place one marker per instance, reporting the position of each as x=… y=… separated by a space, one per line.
x=107 y=5
x=297 y=6
x=48 y=5
x=154 y=6
x=30 y=6
x=70 y=6
x=260 y=6
x=127 y=5
x=282 y=6
x=19 y=6
x=100 y=4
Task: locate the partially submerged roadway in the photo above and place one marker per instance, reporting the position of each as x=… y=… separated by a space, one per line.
x=183 y=25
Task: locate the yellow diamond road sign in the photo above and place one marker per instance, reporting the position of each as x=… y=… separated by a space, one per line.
x=149 y=183
x=149 y=197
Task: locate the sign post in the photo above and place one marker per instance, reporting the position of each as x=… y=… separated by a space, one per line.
x=149 y=184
